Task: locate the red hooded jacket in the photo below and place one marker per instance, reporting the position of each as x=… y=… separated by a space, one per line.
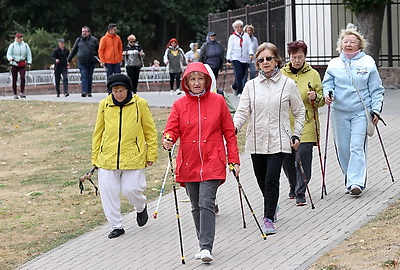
x=202 y=123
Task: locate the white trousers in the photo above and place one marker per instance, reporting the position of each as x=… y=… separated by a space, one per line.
x=350 y=136
x=131 y=183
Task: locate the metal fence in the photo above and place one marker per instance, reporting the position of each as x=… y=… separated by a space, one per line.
x=317 y=22
x=45 y=77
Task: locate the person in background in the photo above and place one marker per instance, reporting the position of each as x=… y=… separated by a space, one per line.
x=59 y=56
x=110 y=50
x=249 y=29
x=155 y=66
x=85 y=47
x=304 y=76
x=193 y=54
x=240 y=53
x=212 y=53
x=20 y=57
x=267 y=101
x=350 y=84
x=201 y=164
x=124 y=143
x=133 y=60
x=174 y=58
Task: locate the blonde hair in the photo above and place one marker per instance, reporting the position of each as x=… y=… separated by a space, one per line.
x=248 y=26
x=237 y=23
x=354 y=32
x=131 y=37
x=272 y=48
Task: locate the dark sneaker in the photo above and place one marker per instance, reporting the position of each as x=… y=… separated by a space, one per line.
x=142 y=217
x=83 y=95
x=22 y=95
x=268 y=226
x=58 y=95
x=66 y=94
x=115 y=233
x=301 y=200
x=292 y=195
x=355 y=190
x=89 y=94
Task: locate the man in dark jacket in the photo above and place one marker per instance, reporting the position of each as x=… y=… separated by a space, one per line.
x=59 y=56
x=86 y=47
x=212 y=53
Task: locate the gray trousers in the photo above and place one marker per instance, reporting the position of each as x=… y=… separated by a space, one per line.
x=202 y=198
x=306 y=151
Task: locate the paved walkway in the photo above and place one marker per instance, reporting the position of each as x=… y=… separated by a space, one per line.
x=303 y=234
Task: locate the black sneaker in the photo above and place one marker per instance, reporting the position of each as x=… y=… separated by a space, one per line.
x=89 y=94
x=58 y=95
x=142 y=217
x=83 y=95
x=66 y=94
x=115 y=233
x=301 y=200
x=22 y=95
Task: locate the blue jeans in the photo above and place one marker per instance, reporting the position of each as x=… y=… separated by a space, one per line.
x=252 y=68
x=112 y=69
x=86 y=76
x=240 y=70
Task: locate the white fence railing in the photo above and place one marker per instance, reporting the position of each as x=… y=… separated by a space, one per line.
x=45 y=77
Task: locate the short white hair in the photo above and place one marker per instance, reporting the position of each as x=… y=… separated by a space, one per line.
x=237 y=23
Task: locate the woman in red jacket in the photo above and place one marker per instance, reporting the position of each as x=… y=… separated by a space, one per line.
x=201 y=120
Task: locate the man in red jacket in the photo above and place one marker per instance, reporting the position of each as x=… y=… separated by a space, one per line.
x=110 y=51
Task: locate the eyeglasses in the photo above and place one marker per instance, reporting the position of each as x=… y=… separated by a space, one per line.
x=268 y=59
x=131 y=41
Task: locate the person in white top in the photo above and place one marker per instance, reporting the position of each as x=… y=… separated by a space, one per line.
x=240 y=52
x=249 y=29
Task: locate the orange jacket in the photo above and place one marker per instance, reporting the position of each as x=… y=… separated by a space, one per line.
x=110 y=49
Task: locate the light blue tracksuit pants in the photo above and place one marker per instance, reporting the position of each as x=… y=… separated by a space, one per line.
x=350 y=136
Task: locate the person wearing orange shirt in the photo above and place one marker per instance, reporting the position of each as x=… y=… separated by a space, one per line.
x=110 y=50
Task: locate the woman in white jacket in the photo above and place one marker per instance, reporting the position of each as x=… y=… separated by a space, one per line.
x=266 y=101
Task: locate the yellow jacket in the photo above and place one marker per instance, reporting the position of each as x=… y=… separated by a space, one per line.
x=307 y=75
x=124 y=138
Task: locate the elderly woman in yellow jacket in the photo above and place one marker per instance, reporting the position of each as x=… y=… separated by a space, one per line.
x=304 y=76
x=124 y=143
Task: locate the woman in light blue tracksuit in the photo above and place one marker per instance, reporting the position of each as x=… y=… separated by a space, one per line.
x=352 y=70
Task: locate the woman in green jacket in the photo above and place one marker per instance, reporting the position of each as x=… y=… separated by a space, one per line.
x=124 y=143
x=304 y=76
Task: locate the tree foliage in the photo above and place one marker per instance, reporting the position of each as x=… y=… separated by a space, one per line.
x=364 y=5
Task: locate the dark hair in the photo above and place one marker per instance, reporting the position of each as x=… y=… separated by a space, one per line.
x=295 y=46
x=111 y=26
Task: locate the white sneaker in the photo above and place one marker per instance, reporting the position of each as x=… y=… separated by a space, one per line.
x=206 y=256
x=355 y=190
x=171 y=92
x=178 y=91
x=197 y=256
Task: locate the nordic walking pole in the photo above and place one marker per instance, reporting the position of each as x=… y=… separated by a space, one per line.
x=145 y=74
x=326 y=144
x=88 y=176
x=383 y=147
x=247 y=201
x=241 y=207
x=318 y=142
x=176 y=205
x=304 y=177
x=163 y=186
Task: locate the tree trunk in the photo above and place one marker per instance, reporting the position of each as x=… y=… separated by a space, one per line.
x=370 y=26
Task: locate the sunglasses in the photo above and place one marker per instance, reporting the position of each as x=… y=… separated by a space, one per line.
x=131 y=41
x=268 y=59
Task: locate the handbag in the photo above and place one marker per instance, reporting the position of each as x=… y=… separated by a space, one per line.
x=370 y=124
x=21 y=63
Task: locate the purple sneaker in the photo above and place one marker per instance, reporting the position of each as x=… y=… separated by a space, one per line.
x=268 y=226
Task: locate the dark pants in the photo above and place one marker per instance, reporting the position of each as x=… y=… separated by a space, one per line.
x=14 y=73
x=292 y=169
x=215 y=71
x=202 y=198
x=57 y=76
x=175 y=77
x=112 y=69
x=133 y=73
x=240 y=71
x=86 y=76
x=289 y=167
x=267 y=169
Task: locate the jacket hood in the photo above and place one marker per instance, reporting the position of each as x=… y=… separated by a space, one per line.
x=195 y=67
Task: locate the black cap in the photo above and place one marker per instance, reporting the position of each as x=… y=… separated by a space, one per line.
x=212 y=33
x=119 y=79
